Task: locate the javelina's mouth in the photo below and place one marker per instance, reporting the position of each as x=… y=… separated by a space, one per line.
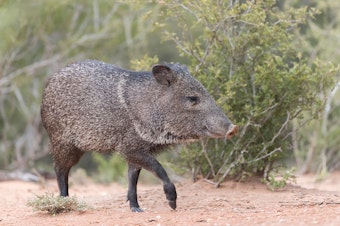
x=232 y=131
x=173 y=138
x=213 y=134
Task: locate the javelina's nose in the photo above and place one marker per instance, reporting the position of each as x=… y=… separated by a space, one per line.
x=233 y=129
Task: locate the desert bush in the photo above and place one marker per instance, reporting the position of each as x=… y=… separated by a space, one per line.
x=244 y=52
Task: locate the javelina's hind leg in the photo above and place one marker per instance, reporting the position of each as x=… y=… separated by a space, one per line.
x=62 y=179
x=133 y=175
x=151 y=164
x=63 y=161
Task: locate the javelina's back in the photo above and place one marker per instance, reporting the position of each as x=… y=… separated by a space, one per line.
x=81 y=106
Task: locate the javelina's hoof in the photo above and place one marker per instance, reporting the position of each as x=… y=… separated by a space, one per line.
x=232 y=131
x=172 y=204
x=136 y=209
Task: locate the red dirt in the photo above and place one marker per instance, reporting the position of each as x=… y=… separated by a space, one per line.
x=199 y=203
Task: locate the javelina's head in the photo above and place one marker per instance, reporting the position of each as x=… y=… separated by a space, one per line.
x=184 y=111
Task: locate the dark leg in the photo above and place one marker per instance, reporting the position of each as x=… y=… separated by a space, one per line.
x=63 y=161
x=133 y=175
x=149 y=163
x=62 y=179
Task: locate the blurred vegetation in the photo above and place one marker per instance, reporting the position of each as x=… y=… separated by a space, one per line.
x=110 y=168
x=272 y=66
x=317 y=145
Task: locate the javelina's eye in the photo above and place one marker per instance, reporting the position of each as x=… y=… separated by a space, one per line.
x=193 y=100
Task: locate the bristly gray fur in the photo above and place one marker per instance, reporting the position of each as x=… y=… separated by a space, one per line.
x=95 y=105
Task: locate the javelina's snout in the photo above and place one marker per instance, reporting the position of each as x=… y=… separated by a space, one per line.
x=233 y=129
x=220 y=127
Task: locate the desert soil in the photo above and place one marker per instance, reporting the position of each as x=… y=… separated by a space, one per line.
x=200 y=203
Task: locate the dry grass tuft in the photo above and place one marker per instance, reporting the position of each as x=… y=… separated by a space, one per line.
x=56 y=204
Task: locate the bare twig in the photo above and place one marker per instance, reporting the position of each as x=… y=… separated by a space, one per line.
x=203 y=145
x=30 y=69
x=265 y=147
x=231 y=166
x=266 y=155
x=96 y=17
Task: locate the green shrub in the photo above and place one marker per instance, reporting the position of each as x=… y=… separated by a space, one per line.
x=244 y=53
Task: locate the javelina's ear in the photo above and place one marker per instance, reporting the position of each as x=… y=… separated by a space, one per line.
x=163 y=75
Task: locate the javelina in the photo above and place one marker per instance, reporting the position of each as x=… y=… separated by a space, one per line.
x=94 y=106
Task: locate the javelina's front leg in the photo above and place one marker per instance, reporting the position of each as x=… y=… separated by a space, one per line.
x=133 y=175
x=149 y=163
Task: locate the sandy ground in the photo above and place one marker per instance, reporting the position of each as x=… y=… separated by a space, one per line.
x=200 y=203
